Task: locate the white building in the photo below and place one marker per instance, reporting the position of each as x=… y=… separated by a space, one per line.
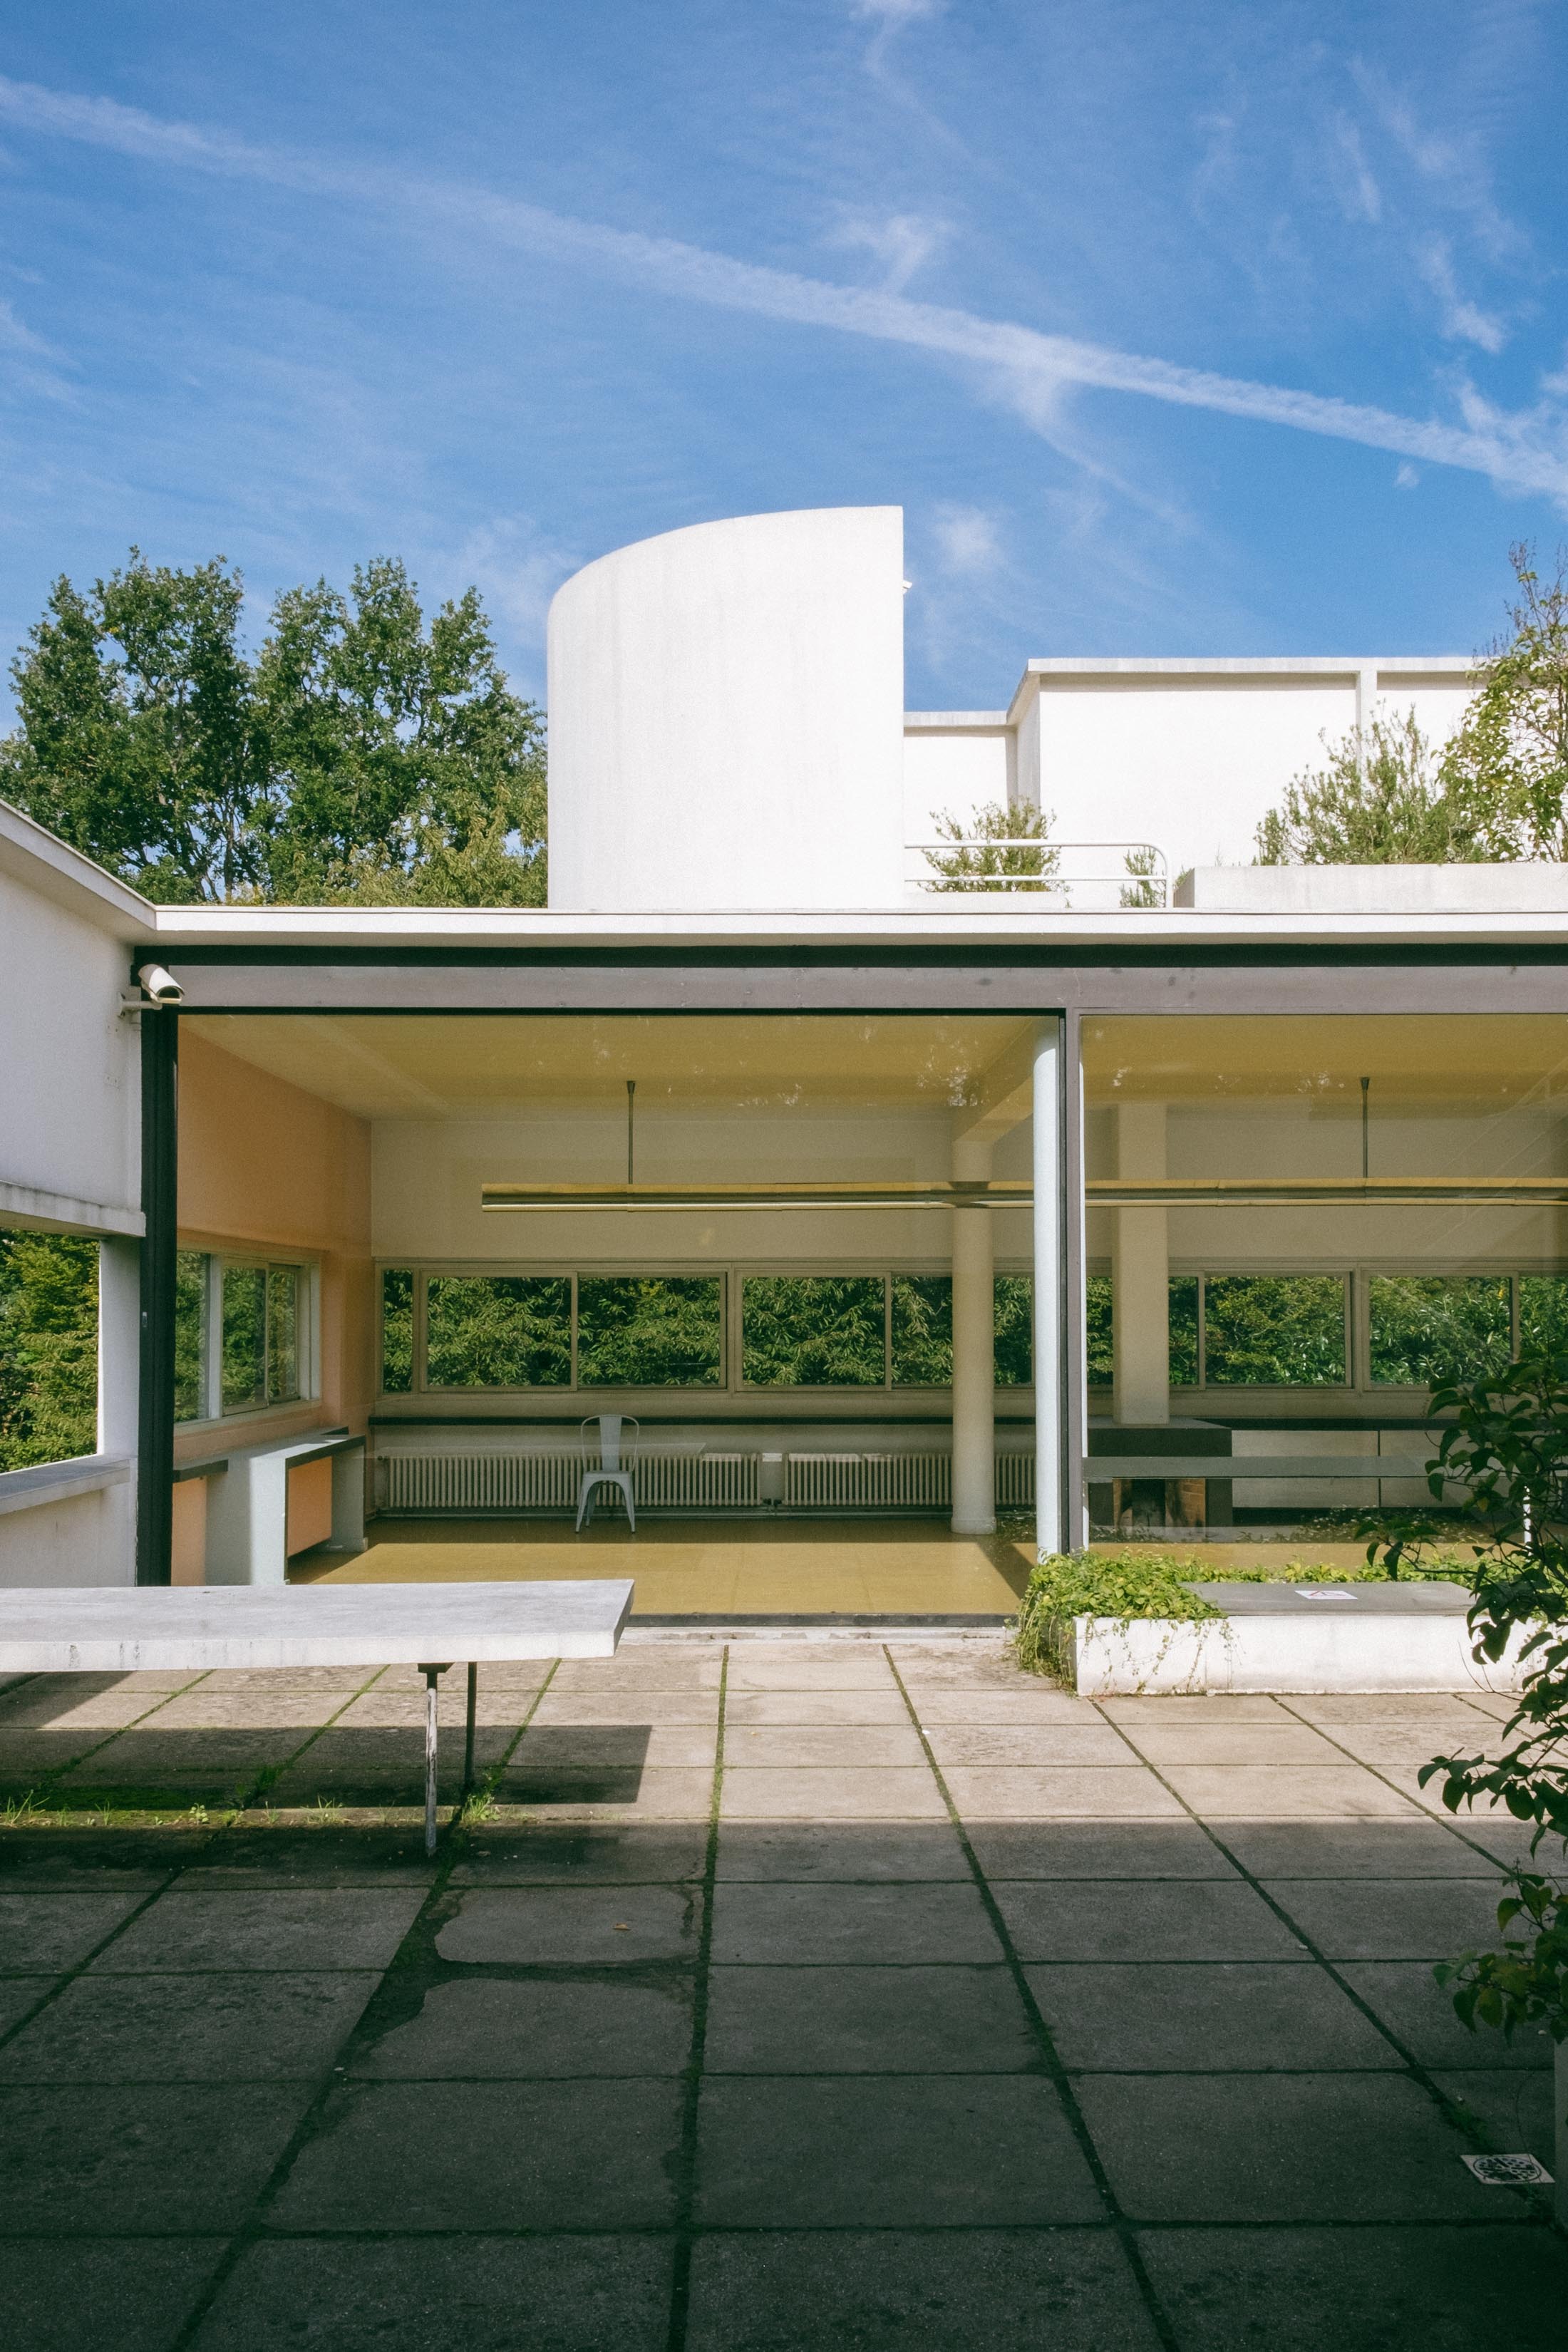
x=779 y=1134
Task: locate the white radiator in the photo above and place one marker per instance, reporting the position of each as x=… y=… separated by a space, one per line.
x=867 y=1481
x=549 y=1482
x=1015 y=1481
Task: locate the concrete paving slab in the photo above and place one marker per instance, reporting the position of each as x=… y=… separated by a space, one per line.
x=746 y=1710
x=842 y=1746
x=826 y=1793
x=589 y=1747
x=1059 y=1792
x=867 y=2021
x=320 y=1855
x=1279 y=2148
x=306 y=1928
x=1091 y=1849
x=1171 y=1919
x=765 y=1666
x=63 y=2294
x=988 y=1706
x=892 y=2291
x=1008 y=1747
x=573 y=1927
x=948 y=2151
x=808 y=1924
x=116 y=2160
x=18 y=1995
x=1410 y=2002
x=489 y=2156
x=1231 y=1743
x=1363 y=2289
x=471 y=2294
x=697 y=1708
x=546 y=1854
x=93 y=1861
x=1411 y=1847
x=533 y=2028
x=610 y=1792
x=841 y=1850
x=46 y=1932
x=189 y=2029
x=1415 y=1919
x=1272 y=1792
x=1218 y=2017
x=1512 y=2108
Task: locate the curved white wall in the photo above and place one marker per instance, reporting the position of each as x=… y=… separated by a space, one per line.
x=726 y=719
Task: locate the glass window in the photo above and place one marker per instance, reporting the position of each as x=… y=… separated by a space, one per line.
x=397 y=1330
x=191 y=1335
x=48 y=1348
x=243 y=1336
x=1184 y=1313
x=498 y=1331
x=1274 y=1330
x=650 y=1331
x=923 y=1330
x=1543 y=1313
x=282 y=1332
x=813 y=1330
x=1101 y=1349
x=1014 y=1330
x=1429 y=1328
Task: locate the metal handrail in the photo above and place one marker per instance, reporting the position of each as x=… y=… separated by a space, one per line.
x=1054 y=884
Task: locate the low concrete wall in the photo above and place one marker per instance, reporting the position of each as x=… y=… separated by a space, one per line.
x=1374 y=889
x=71 y=1539
x=1285 y=1652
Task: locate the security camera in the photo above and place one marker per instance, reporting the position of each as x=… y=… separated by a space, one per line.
x=161 y=985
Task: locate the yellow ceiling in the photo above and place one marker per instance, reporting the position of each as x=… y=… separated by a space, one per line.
x=415 y=1065
x=1409 y=1058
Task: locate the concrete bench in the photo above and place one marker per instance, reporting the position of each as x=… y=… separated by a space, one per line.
x=205 y=1628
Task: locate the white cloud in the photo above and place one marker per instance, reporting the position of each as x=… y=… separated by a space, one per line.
x=1405 y=476
x=1360 y=198
x=517 y=570
x=1463 y=322
x=897 y=13
x=902 y=243
x=967 y=541
x=1017 y=366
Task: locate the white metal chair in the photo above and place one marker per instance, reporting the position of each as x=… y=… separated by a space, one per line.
x=609 y=1456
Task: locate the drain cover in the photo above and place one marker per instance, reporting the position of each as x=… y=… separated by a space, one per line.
x=1509 y=2171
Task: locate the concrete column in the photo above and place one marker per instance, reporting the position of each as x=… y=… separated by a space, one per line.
x=119 y=1372
x=1140 y=1274
x=1050 y=1274
x=973 y=1354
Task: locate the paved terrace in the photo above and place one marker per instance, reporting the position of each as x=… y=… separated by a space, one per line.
x=790 y=1996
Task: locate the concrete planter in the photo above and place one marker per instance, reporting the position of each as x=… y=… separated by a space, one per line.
x=1360 y=1638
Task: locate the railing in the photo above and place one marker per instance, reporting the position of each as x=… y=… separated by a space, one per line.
x=1143 y=880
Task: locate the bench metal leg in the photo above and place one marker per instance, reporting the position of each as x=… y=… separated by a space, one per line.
x=469 y=1730
x=430 y=1674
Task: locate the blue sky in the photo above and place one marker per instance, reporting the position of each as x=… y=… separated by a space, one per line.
x=1174 y=328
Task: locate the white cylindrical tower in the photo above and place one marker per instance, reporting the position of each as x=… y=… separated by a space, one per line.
x=726 y=719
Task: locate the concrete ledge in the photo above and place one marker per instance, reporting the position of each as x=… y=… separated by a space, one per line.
x=53 y=1481
x=61 y=1212
x=1373 y=889
x=1304 y=1645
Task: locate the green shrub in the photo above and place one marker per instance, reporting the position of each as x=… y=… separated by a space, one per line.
x=1126 y=1585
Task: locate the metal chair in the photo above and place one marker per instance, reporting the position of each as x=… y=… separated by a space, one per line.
x=610 y=1457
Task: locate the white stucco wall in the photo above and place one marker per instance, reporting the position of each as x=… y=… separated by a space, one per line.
x=726 y=718
x=81 y=1539
x=1192 y=757
x=70 y=1126
x=961 y=768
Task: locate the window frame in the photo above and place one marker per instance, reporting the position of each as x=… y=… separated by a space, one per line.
x=307 y=1335
x=732 y=1274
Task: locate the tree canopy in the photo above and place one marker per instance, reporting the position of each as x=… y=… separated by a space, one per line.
x=360 y=754
x=1496 y=792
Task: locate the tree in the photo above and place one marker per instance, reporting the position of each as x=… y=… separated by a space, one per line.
x=1507 y=768
x=360 y=756
x=1498 y=791
x=1379 y=799
x=988 y=851
x=48 y=1348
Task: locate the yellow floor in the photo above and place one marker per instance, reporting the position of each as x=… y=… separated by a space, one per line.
x=707 y=1568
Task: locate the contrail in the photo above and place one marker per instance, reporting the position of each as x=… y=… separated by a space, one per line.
x=1528 y=450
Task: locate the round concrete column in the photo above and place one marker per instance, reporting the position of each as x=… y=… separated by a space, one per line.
x=974 y=1356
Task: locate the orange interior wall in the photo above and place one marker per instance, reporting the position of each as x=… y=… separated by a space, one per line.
x=264 y=1165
